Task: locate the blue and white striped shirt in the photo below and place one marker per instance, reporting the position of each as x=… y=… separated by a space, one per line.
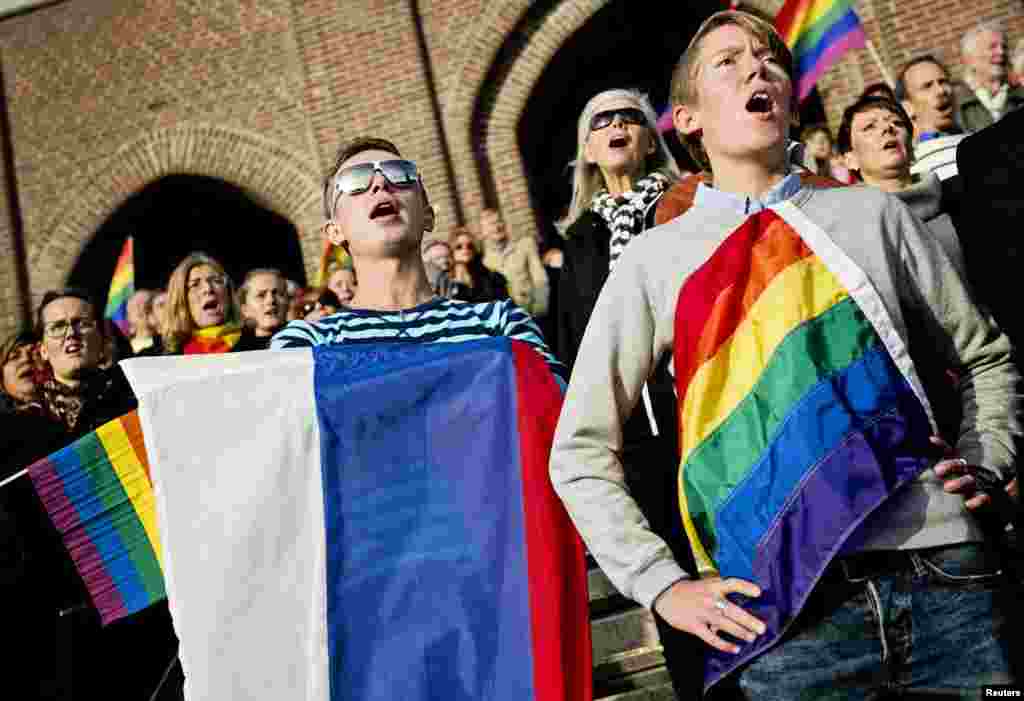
x=438 y=321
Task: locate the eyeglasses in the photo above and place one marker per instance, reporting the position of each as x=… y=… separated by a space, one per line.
x=356 y=179
x=628 y=115
x=59 y=329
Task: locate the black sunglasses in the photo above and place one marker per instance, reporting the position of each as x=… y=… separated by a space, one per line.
x=628 y=115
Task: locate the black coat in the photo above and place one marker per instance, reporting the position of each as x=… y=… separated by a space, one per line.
x=249 y=341
x=586 y=255
x=991 y=167
x=651 y=462
x=488 y=286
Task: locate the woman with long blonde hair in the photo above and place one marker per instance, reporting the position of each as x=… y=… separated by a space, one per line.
x=200 y=316
x=622 y=168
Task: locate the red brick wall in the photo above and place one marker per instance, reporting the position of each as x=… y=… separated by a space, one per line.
x=106 y=97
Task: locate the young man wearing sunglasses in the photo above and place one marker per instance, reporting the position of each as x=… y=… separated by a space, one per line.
x=377 y=210
x=808 y=328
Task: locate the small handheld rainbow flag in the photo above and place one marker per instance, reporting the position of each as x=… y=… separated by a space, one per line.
x=122 y=287
x=818 y=32
x=99 y=496
x=331 y=254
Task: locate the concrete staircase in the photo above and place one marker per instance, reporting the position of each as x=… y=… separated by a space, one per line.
x=628 y=660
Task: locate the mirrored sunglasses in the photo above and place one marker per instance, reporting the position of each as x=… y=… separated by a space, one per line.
x=628 y=115
x=356 y=179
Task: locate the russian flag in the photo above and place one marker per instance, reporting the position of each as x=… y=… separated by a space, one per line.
x=365 y=522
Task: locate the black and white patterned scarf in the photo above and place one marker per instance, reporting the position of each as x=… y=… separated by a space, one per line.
x=625 y=214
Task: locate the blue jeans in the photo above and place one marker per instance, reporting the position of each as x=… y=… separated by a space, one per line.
x=932 y=623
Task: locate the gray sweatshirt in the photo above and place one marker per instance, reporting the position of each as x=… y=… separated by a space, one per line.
x=632 y=327
x=924 y=198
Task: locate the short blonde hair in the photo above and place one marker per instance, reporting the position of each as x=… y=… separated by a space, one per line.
x=179 y=326
x=684 y=76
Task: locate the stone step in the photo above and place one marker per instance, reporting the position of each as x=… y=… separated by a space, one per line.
x=620 y=636
x=604 y=597
x=628 y=661
x=653 y=685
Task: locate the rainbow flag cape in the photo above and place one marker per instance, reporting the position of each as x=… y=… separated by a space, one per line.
x=818 y=32
x=98 y=494
x=800 y=412
x=122 y=287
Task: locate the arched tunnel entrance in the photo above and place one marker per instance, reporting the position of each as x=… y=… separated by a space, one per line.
x=178 y=214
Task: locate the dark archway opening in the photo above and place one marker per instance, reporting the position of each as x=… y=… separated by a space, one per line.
x=618 y=47
x=178 y=214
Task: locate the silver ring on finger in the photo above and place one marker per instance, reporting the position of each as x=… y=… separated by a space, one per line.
x=721 y=605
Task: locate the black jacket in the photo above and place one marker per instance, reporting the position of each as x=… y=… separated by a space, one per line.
x=991 y=168
x=651 y=462
x=249 y=341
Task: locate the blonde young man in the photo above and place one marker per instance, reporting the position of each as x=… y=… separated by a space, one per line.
x=836 y=556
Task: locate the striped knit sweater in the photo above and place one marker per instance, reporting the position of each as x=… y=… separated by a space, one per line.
x=437 y=321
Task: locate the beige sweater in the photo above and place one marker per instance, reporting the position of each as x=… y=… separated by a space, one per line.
x=519 y=262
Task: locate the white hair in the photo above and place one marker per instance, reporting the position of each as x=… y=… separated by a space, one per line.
x=1017 y=57
x=587 y=179
x=971 y=35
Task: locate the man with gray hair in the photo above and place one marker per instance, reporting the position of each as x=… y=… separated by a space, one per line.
x=985 y=95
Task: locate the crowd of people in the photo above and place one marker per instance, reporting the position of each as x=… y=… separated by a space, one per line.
x=899 y=191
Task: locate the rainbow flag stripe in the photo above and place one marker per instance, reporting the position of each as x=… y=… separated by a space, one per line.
x=213 y=339
x=795 y=422
x=122 y=286
x=98 y=494
x=818 y=32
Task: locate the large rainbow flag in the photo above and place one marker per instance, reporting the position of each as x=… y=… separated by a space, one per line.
x=98 y=494
x=368 y=522
x=818 y=32
x=122 y=287
x=800 y=412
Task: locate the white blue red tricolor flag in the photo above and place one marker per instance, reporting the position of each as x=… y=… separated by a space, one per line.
x=368 y=522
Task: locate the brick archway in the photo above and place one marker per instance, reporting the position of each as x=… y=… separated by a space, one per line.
x=493 y=29
x=502 y=141
x=496 y=28
x=279 y=179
